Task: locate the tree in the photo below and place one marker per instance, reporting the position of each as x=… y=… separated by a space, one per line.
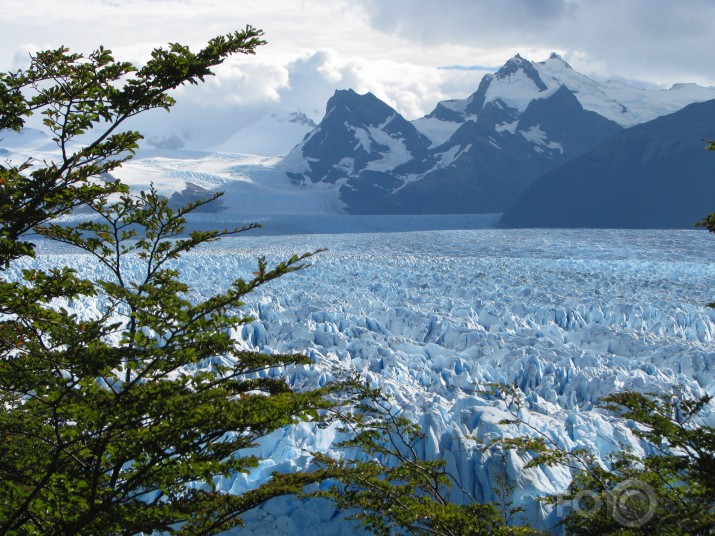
x=709 y=221
x=390 y=489
x=77 y=95
x=119 y=422
x=669 y=490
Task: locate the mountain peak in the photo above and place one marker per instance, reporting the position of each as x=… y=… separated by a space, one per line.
x=516 y=64
x=516 y=60
x=557 y=58
x=344 y=95
x=519 y=81
x=683 y=85
x=357 y=109
x=350 y=91
x=300 y=118
x=350 y=96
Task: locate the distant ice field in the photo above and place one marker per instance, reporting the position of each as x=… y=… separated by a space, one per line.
x=430 y=316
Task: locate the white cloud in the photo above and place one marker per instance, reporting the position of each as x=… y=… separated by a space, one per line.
x=655 y=40
x=245 y=89
x=22 y=56
x=411 y=89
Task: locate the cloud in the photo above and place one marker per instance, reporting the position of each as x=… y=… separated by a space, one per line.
x=657 y=40
x=245 y=89
x=22 y=56
x=413 y=90
x=469 y=68
x=496 y=22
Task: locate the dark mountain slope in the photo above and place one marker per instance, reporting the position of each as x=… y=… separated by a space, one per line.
x=654 y=175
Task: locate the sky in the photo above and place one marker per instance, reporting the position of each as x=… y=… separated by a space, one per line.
x=409 y=53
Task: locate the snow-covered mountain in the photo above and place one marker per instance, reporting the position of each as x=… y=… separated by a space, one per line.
x=359 y=133
x=272 y=135
x=475 y=155
x=27 y=139
x=520 y=81
x=356 y=148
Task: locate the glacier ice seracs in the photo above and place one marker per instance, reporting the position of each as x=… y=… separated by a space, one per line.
x=431 y=316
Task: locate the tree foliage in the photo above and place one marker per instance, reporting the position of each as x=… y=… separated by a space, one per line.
x=77 y=95
x=120 y=421
x=708 y=221
x=390 y=489
x=669 y=490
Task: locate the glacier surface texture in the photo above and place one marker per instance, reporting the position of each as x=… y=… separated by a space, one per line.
x=431 y=316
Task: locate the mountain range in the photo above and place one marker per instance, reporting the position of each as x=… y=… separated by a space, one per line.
x=537 y=142
x=481 y=154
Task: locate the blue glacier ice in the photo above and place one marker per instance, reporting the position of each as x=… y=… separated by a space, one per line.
x=431 y=316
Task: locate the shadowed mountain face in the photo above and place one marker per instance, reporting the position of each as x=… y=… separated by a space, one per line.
x=654 y=175
x=486 y=164
x=359 y=134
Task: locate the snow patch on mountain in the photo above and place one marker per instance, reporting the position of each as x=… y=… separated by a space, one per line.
x=347 y=165
x=494 y=143
x=450 y=155
x=437 y=130
x=397 y=152
x=507 y=127
x=537 y=136
x=516 y=90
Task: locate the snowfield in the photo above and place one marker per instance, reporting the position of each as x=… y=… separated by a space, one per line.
x=431 y=316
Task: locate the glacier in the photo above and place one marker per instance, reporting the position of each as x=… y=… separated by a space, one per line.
x=431 y=316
